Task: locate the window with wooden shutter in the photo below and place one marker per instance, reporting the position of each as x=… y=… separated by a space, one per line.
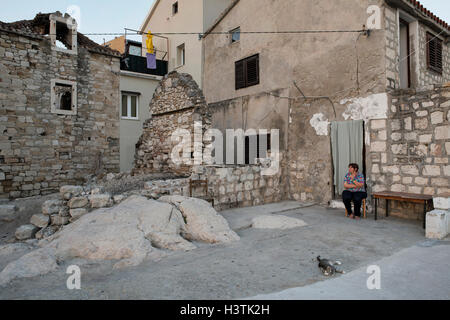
x=247 y=72
x=434 y=53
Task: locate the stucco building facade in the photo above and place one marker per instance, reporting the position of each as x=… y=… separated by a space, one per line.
x=184 y=51
x=307 y=83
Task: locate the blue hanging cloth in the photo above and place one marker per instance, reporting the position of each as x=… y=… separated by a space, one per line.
x=151 y=61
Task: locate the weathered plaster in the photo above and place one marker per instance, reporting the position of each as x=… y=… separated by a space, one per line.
x=320 y=123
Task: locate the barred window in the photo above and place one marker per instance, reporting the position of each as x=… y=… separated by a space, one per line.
x=247 y=72
x=434 y=53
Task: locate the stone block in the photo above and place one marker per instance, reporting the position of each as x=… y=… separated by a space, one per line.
x=411 y=170
x=425 y=138
x=378 y=124
x=442 y=133
x=440 y=182
x=437 y=117
x=40 y=220
x=378 y=146
x=78 y=202
x=57 y=220
x=436 y=224
x=100 y=200
x=421 y=124
x=431 y=171
x=67 y=192
x=51 y=207
x=421 y=181
x=408 y=123
x=441 y=203
x=26 y=232
x=8 y=212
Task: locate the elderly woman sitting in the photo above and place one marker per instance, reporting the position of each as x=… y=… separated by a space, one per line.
x=354 y=191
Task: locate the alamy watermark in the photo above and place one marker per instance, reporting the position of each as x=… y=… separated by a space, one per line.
x=74 y=280
x=374 y=19
x=374 y=280
x=239 y=145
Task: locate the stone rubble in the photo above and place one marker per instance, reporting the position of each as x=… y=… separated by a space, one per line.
x=129 y=233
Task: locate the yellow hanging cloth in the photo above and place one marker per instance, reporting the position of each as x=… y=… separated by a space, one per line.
x=149 y=42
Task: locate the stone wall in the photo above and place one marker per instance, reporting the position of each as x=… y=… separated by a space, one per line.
x=241 y=185
x=176 y=105
x=410 y=150
x=40 y=150
x=391 y=27
x=421 y=76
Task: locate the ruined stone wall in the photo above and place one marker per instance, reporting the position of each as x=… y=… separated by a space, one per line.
x=40 y=150
x=410 y=150
x=176 y=105
x=239 y=186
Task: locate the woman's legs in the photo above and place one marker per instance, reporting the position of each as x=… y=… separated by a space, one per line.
x=357 y=199
x=347 y=199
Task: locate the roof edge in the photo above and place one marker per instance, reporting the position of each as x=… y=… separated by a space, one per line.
x=149 y=15
x=221 y=17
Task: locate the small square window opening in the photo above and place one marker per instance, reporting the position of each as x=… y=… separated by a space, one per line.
x=235 y=35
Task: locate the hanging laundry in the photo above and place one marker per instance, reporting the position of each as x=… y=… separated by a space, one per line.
x=151 y=61
x=149 y=42
x=151 y=56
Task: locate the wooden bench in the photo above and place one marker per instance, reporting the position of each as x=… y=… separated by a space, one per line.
x=193 y=184
x=426 y=200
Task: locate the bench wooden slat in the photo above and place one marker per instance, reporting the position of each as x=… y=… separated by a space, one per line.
x=402 y=196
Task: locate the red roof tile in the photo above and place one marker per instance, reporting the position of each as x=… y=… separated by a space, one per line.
x=428 y=13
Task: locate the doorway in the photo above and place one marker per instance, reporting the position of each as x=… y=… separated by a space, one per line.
x=405 y=59
x=347 y=146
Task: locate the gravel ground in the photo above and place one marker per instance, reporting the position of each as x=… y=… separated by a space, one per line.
x=264 y=261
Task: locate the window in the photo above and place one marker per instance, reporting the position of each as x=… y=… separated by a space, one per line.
x=247 y=72
x=64 y=97
x=130 y=106
x=63 y=34
x=135 y=51
x=235 y=35
x=181 y=55
x=434 y=53
x=175 y=8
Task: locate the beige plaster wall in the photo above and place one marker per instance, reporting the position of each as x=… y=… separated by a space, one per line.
x=131 y=130
x=322 y=64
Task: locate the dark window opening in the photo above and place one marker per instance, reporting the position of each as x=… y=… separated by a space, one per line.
x=434 y=53
x=63 y=94
x=247 y=72
x=63 y=36
x=175 y=8
x=66 y=101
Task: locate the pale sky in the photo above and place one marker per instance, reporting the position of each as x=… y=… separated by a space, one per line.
x=112 y=16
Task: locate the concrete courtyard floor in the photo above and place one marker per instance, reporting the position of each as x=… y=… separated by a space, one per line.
x=270 y=262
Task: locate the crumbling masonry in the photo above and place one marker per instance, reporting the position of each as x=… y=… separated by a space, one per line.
x=59 y=106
